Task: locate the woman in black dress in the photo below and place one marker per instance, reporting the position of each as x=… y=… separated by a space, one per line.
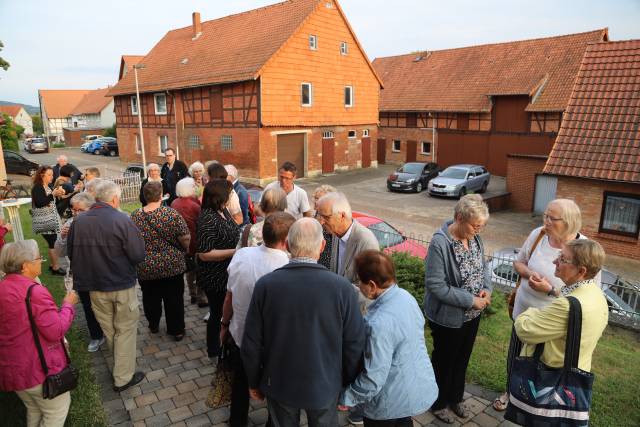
x=218 y=236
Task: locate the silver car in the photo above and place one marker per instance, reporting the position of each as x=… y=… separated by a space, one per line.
x=36 y=145
x=458 y=180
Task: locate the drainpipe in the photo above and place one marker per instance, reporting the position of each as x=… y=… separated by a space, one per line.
x=434 y=156
x=175 y=121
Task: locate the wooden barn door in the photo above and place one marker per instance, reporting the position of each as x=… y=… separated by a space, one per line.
x=366 y=152
x=412 y=149
x=291 y=149
x=328 y=155
x=382 y=151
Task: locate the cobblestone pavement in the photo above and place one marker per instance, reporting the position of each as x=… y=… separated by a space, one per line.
x=178 y=379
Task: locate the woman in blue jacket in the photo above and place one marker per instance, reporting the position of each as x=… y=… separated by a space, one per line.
x=397 y=381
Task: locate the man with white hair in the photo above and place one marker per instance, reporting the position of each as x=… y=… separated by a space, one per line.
x=60 y=162
x=240 y=190
x=304 y=334
x=104 y=247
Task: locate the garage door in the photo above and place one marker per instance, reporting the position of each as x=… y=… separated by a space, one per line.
x=544 y=193
x=291 y=149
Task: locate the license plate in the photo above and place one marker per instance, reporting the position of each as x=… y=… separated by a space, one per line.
x=395 y=185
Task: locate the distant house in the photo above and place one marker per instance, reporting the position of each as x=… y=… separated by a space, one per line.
x=55 y=108
x=479 y=102
x=19 y=115
x=286 y=82
x=94 y=110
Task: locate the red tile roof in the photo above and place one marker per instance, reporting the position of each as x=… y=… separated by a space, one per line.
x=11 y=110
x=600 y=133
x=93 y=102
x=60 y=103
x=232 y=48
x=460 y=79
x=127 y=62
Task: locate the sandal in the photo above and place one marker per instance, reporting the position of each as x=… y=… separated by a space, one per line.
x=461 y=410
x=444 y=415
x=500 y=402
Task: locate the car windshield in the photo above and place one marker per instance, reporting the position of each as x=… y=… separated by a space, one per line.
x=455 y=173
x=413 y=168
x=387 y=236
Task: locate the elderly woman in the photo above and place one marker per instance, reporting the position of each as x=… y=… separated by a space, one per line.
x=538 y=285
x=218 y=236
x=397 y=381
x=188 y=206
x=153 y=175
x=20 y=365
x=196 y=171
x=576 y=266
x=325 y=256
x=45 y=216
x=166 y=238
x=273 y=200
x=458 y=288
x=80 y=203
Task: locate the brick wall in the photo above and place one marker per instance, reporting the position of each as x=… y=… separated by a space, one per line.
x=75 y=137
x=404 y=135
x=521 y=179
x=589 y=194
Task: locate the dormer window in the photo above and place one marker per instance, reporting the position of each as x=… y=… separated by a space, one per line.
x=313 y=42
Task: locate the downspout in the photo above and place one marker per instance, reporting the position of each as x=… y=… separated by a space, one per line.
x=175 y=120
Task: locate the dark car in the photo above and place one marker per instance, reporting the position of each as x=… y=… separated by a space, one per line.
x=412 y=176
x=17 y=164
x=134 y=168
x=109 y=147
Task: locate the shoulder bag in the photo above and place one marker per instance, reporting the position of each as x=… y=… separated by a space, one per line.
x=511 y=299
x=552 y=397
x=65 y=380
x=45 y=219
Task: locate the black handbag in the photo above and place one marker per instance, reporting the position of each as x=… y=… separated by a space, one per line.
x=543 y=396
x=65 y=380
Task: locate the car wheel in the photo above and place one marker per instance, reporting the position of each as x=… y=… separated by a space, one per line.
x=112 y=153
x=96 y=152
x=484 y=187
x=463 y=192
x=32 y=172
x=419 y=187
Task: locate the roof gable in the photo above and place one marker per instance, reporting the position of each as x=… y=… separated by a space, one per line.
x=127 y=62
x=57 y=104
x=600 y=133
x=11 y=110
x=93 y=102
x=462 y=79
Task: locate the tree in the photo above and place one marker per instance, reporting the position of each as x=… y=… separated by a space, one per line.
x=9 y=133
x=110 y=131
x=38 y=129
x=3 y=64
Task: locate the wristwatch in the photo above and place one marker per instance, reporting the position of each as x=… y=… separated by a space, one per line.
x=223 y=323
x=552 y=292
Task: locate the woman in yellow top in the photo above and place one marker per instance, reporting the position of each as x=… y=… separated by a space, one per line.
x=577 y=265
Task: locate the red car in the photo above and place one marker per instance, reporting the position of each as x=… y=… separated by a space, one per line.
x=391 y=240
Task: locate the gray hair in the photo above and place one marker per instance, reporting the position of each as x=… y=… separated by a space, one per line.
x=232 y=170
x=107 y=190
x=186 y=187
x=273 y=200
x=322 y=190
x=305 y=238
x=152 y=166
x=588 y=254
x=570 y=214
x=195 y=166
x=62 y=157
x=91 y=186
x=85 y=200
x=339 y=203
x=471 y=207
x=15 y=254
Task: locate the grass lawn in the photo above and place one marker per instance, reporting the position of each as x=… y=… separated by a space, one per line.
x=86 y=404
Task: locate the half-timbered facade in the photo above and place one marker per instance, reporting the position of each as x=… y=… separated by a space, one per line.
x=284 y=82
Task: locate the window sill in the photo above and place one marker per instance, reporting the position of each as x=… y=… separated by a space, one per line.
x=616 y=237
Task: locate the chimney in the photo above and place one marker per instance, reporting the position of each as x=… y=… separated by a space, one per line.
x=197 y=26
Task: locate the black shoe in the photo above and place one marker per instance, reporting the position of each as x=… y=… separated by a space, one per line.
x=59 y=271
x=194 y=300
x=154 y=330
x=137 y=377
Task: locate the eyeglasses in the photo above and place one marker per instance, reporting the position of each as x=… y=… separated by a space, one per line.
x=546 y=217
x=562 y=260
x=318 y=216
x=39 y=259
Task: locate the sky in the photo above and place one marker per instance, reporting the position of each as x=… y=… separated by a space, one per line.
x=77 y=44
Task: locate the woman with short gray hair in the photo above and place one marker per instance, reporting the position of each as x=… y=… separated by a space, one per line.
x=153 y=174
x=458 y=288
x=20 y=364
x=196 y=171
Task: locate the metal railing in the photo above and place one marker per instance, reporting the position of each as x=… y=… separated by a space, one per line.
x=130 y=184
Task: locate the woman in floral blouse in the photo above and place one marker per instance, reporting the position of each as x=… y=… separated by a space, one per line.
x=166 y=239
x=218 y=236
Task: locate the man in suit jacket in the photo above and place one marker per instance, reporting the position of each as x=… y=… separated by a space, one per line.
x=304 y=334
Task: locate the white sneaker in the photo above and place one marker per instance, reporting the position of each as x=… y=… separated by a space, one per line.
x=206 y=317
x=94 y=345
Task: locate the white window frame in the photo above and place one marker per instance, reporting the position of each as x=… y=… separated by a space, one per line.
x=138 y=144
x=351 y=134
x=160 y=138
x=393 y=146
x=313 y=42
x=155 y=104
x=365 y=133
x=327 y=134
x=344 y=48
x=426 y=153
x=310 y=104
x=134 y=105
x=351 y=97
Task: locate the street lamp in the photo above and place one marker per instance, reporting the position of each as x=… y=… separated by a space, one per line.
x=144 y=157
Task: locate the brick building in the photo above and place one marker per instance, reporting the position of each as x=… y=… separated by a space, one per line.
x=596 y=157
x=288 y=81
x=484 y=101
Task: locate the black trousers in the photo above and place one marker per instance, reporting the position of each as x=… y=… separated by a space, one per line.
x=397 y=422
x=286 y=416
x=239 y=392
x=95 y=331
x=216 y=301
x=515 y=346
x=168 y=291
x=451 y=352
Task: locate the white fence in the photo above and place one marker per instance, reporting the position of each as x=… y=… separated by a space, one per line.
x=130 y=184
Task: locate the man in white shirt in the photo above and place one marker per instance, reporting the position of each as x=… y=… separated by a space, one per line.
x=247 y=266
x=297 y=199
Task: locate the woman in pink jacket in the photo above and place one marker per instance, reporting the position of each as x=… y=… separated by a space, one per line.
x=20 y=367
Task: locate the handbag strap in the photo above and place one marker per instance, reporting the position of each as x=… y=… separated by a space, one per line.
x=574 y=334
x=533 y=248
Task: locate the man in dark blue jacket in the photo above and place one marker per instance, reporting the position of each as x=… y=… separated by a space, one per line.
x=304 y=334
x=104 y=247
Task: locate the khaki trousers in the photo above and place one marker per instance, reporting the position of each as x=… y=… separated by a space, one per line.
x=44 y=412
x=117 y=313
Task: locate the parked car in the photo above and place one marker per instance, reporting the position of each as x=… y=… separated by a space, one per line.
x=84 y=145
x=109 y=147
x=94 y=146
x=36 y=145
x=390 y=239
x=412 y=176
x=17 y=164
x=89 y=138
x=458 y=180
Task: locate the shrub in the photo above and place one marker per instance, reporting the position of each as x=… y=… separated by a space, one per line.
x=110 y=131
x=410 y=274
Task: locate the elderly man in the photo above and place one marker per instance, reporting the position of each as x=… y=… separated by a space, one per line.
x=243 y=196
x=247 y=266
x=104 y=247
x=217 y=171
x=297 y=200
x=304 y=334
x=173 y=170
x=61 y=161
